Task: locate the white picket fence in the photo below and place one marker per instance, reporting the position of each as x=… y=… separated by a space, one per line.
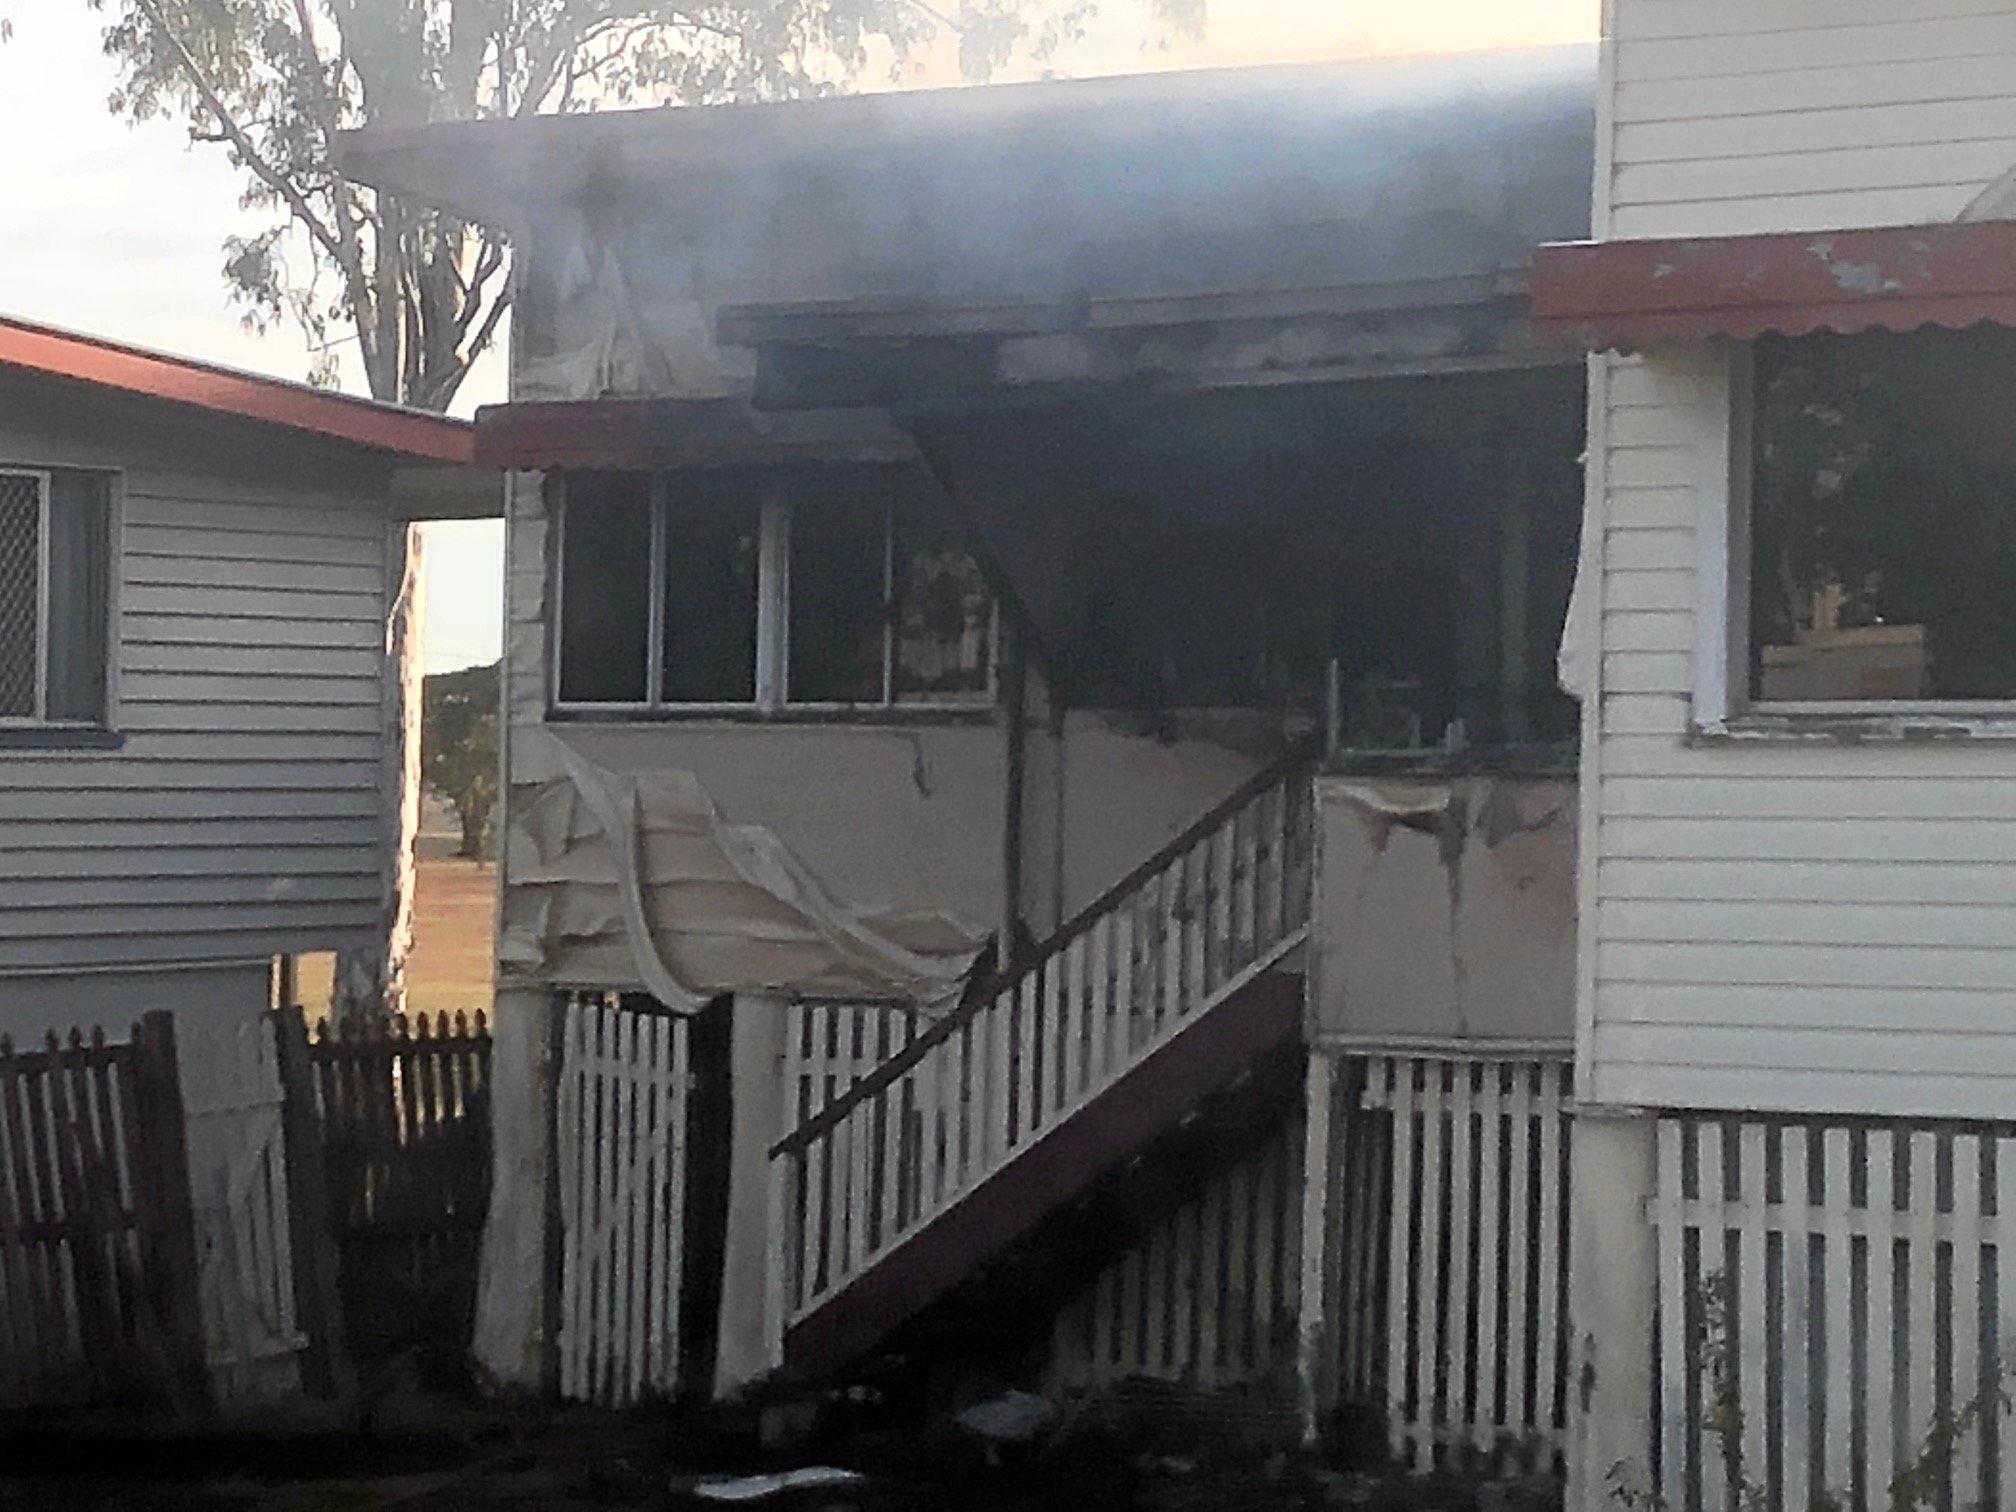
x=622 y=1157
x=1207 y=1297
x=1476 y=1269
x=238 y=1179
x=1843 y=1289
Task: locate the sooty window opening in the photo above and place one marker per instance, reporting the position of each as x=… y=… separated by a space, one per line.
x=1882 y=548
x=683 y=594
x=55 y=596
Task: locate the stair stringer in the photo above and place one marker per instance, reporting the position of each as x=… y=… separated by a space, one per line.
x=1252 y=1015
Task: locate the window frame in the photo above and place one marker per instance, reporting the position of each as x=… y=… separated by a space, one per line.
x=38 y=729
x=772 y=681
x=1725 y=705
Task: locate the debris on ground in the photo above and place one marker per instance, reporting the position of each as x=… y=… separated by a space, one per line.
x=752 y=1488
x=1017 y=1417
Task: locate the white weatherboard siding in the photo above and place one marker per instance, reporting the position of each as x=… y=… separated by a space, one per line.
x=1728 y=117
x=242 y=815
x=1780 y=926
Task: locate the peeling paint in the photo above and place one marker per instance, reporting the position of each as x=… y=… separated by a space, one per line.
x=1465 y=886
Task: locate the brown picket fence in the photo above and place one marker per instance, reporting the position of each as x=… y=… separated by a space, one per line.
x=403 y=1108
x=98 y=1261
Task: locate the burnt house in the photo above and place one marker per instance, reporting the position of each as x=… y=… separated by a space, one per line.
x=1032 y=748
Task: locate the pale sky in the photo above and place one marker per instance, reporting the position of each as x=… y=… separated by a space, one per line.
x=115 y=230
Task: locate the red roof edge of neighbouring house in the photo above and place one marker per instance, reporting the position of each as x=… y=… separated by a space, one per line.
x=1627 y=295
x=407 y=434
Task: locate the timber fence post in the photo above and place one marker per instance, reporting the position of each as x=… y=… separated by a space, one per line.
x=317 y=1300
x=167 y=1209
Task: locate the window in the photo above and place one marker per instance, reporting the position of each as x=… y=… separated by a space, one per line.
x=1882 y=520
x=675 y=594
x=55 y=556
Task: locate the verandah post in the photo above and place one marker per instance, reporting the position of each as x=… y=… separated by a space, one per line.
x=1612 y=1291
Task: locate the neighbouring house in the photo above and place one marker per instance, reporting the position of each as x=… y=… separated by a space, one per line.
x=200 y=764
x=1039 y=826
x=1797 y=667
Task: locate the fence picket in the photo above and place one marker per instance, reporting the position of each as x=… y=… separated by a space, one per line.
x=1880 y=1373
x=1434 y=1224
x=1795 y=1349
x=1549 y=1415
x=1462 y=1285
x=676 y=1088
x=1403 y=1300
x=2005 y=1308
x=1484 y=1413
x=1748 y=1320
x=1919 y=1407
x=1966 y=1312
x=1836 y=1307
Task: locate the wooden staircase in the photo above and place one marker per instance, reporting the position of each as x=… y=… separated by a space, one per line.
x=1171 y=987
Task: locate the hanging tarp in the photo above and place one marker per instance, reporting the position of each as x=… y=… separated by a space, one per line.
x=636 y=880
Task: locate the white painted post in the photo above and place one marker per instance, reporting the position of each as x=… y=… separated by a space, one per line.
x=757 y=1033
x=1673 y=1285
x=1316 y=1339
x=1613 y=1269
x=510 y=1320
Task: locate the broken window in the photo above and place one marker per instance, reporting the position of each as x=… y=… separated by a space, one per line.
x=1883 y=518
x=942 y=613
x=55 y=604
x=841 y=601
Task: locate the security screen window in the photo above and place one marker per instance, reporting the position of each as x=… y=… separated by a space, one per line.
x=55 y=585
x=1883 y=519
x=849 y=602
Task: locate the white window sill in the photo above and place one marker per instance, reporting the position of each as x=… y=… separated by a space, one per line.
x=56 y=737
x=1859 y=725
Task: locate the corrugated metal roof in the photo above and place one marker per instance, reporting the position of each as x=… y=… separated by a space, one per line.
x=1626 y=295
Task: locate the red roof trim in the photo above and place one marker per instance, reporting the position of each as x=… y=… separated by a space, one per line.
x=411 y=434
x=1627 y=294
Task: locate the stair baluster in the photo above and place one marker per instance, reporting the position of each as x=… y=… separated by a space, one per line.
x=1220 y=905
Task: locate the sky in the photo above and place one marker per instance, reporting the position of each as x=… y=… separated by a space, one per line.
x=115 y=229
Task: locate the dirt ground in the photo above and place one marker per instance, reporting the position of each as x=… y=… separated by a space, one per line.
x=441 y=1454
x=454 y=916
